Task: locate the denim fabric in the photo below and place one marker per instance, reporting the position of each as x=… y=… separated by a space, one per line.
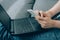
x=51 y=34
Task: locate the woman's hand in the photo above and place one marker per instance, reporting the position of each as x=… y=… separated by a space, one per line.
x=44 y=19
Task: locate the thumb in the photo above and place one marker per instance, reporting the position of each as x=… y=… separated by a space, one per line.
x=44 y=14
x=41 y=13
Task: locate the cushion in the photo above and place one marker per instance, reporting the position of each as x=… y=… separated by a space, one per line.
x=43 y=4
x=18 y=9
x=7 y=3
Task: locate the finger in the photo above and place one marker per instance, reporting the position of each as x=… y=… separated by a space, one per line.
x=43 y=25
x=41 y=13
x=38 y=18
x=36 y=12
x=44 y=22
x=46 y=15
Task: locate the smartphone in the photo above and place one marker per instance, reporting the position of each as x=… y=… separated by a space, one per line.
x=31 y=12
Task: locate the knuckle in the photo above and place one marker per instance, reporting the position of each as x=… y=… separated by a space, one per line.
x=44 y=26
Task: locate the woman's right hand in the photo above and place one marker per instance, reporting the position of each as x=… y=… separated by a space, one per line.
x=44 y=19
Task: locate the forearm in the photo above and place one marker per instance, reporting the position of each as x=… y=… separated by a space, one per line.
x=56 y=23
x=55 y=9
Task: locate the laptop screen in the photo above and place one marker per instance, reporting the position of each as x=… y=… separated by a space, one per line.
x=4 y=18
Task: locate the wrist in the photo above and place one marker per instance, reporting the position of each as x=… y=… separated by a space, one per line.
x=50 y=13
x=54 y=23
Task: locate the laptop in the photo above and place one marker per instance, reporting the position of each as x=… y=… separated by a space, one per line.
x=19 y=26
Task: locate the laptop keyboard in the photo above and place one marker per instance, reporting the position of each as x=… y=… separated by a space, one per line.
x=25 y=25
x=36 y=26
